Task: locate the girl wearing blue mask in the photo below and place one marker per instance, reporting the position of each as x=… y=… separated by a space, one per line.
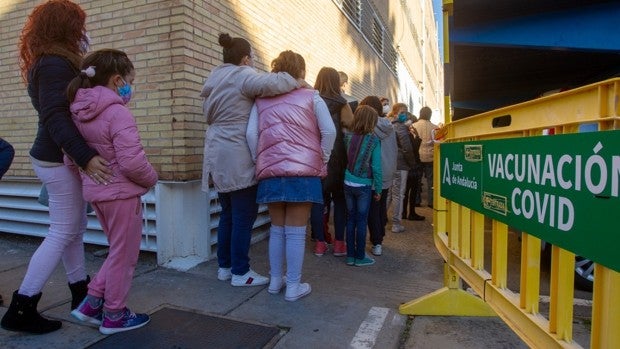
x=99 y=97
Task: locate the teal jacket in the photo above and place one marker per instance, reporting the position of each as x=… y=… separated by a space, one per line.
x=364 y=160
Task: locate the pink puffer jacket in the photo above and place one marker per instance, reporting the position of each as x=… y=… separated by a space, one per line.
x=289 y=140
x=109 y=127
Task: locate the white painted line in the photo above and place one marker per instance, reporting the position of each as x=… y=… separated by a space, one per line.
x=368 y=331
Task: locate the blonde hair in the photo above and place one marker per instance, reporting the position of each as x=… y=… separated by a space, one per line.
x=395 y=109
x=365 y=119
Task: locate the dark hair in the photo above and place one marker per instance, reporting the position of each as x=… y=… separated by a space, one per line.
x=289 y=62
x=411 y=117
x=425 y=113
x=373 y=101
x=365 y=120
x=234 y=48
x=344 y=78
x=328 y=82
x=54 y=27
x=105 y=63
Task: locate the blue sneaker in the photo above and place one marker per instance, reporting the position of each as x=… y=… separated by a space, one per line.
x=113 y=323
x=350 y=260
x=364 y=262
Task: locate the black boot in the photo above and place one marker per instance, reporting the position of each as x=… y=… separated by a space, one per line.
x=78 y=292
x=23 y=316
x=1 y=300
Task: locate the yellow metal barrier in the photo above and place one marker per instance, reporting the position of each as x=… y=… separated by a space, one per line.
x=459 y=232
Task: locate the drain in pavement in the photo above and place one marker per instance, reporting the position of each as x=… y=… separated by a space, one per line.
x=174 y=328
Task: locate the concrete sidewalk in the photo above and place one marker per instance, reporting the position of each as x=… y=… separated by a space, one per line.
x=350 y=307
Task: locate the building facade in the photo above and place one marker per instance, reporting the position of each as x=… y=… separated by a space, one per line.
x=387 y=47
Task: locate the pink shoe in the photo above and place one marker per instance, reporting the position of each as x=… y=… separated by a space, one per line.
x=340 y=248
x=320 y=248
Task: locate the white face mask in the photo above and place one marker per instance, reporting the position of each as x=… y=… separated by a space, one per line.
x=386 y=109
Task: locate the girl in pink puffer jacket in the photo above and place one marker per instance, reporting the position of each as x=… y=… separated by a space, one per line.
x=98 y=99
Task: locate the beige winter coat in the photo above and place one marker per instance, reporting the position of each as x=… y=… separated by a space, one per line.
x=229 y=94
x=425 y=130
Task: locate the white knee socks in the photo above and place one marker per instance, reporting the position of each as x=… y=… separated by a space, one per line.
x=276 y=251
x=295 y=248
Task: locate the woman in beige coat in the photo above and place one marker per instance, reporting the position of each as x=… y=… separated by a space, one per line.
x=229 y=94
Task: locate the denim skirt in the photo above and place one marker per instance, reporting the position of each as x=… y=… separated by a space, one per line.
x=289 y=189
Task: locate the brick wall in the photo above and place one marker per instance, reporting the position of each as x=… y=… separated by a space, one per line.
x=173 y=45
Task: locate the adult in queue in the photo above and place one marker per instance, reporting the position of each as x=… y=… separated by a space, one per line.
x=51 y=47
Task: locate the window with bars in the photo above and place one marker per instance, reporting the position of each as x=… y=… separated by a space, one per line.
x=363 y=16
x=352 y=8
x=377 y=35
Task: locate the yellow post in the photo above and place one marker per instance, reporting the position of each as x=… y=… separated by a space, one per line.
x=477 y=246
x=606 y=309
x=530 y=273
x=465 y=236
x=562 y=293
x=499 y=258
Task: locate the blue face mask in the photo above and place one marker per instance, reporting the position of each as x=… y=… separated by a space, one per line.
x=125 y=92
x=402 y=117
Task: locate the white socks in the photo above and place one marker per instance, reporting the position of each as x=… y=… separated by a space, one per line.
x=276 y=252
x=295 y=248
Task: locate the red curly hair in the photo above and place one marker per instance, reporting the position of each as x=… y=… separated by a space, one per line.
x=53 y=28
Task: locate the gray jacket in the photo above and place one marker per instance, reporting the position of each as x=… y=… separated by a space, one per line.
x=405 y=160
x=229 y=94
x=389 y=150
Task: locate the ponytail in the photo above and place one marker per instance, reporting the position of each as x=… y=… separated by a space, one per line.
x=80 y=81
x=97 y=68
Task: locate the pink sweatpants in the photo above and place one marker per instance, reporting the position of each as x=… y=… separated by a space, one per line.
x=64 y=239
x=122 y=223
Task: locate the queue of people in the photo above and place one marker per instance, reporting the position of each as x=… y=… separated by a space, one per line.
x=299 y=149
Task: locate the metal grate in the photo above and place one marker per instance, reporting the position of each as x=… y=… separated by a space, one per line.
x=173 y=328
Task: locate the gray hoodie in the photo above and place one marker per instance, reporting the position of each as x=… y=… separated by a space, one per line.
x=389 y=150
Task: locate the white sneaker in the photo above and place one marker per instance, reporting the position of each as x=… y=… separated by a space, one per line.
x=296 y=291
x=276 y=284
x=251 y=278
x=397 y=228
x=377 y=250
x=224 y=274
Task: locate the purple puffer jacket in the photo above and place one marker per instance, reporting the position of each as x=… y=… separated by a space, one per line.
x=109 y=127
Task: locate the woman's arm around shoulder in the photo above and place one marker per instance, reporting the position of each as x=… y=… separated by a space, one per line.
x=266 y=84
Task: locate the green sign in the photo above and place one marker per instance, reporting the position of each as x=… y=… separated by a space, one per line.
x=563 y=189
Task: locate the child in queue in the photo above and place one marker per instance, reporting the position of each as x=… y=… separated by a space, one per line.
x=99 y=97
x=363 y=172
x=291 y=137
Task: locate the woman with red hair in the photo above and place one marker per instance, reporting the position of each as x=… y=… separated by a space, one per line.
x=52 y=43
